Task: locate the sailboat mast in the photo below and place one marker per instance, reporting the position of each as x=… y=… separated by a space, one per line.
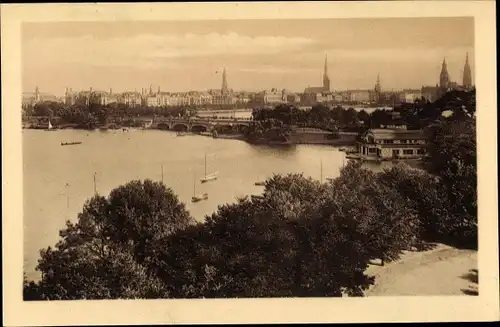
x=95 y=186
x=162 y=173
x=194 y=186
x=321 y=174
x=205 y=165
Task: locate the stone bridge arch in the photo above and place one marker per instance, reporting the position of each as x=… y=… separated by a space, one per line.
x=199 y=128
x=163 y=126
x=179 y=127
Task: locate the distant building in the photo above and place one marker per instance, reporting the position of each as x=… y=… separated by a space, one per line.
x=324 y=97
x=410 y=96
x=272 y=96
x=377 y=90
x=467 y=78
x=361 y=96
x=392 y=143
x=293 y=98
x=326 y=82
x=429 y=93
x=32 y=98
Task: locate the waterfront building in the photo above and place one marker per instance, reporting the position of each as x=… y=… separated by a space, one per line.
x=272 y=96
x=324 y=97
x=360 y=96
x=392 y=143
x=242 y=97
x=132 y=99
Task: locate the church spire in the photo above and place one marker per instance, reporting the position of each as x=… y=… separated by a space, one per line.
x=326 y=79
x=224 y=81
x=325 y=72
x=378 y=87
x=444 y=78
x=467 y=78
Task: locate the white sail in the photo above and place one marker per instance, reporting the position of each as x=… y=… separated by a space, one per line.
x=209 y=177
x=50 y=125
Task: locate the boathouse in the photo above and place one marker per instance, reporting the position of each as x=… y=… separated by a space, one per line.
x=392 y=143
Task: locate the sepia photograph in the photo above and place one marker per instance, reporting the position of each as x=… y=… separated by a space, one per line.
x=257 y=158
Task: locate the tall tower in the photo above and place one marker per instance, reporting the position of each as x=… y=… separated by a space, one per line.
x=467 y=81
x=378 y=87
x=444 y=78
x=224 y=82
x=326 y=80
x=37 y=94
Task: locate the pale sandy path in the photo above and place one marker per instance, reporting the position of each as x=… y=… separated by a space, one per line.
x=435 y=272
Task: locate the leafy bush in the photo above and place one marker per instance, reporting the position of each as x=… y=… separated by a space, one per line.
x=108 y=252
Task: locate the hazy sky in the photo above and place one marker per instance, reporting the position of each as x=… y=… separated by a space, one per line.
x=257 y=54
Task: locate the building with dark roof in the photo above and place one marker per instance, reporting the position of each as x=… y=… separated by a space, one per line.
x=392 y=143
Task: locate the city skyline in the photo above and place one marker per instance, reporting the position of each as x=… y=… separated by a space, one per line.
x=257 y=55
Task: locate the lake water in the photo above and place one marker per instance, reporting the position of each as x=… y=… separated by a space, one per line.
x=58 y=179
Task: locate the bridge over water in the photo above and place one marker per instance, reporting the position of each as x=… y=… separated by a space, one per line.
x=199 y=124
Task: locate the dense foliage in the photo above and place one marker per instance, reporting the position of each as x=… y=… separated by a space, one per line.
x=106 y=253
x=299 y=238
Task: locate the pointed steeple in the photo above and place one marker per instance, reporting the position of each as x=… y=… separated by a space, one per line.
x=326 y=66
x=378 y=87
x=444 y=78
x=224 y=82
x=326 y=79
x=467 y=78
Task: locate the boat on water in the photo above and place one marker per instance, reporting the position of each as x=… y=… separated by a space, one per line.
x=51 y=128
x=353 y=156
x=70 y=143
x=200 y=197
x=260 y=183
x=181 y=133
x=209 y=177
x=147 y=125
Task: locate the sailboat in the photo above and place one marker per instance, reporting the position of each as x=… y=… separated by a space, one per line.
x=211 y=177
x=198 y=198
x=50 y=128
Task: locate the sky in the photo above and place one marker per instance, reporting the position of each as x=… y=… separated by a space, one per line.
x=257 y=54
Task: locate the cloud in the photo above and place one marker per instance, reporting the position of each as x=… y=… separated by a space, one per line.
x=154 y=49
x=276 y=70
x=413 y=55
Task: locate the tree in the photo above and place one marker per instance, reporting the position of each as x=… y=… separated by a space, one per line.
x=109 y=251
x=427 y=195
x=373 y=215
x=42 y=109
x=453 y=157
x=274 y=245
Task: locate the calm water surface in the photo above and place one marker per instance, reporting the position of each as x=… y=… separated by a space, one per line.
x=58 y=179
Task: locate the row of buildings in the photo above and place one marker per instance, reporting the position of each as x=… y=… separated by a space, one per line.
x=324 y=93
x=228 y=97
